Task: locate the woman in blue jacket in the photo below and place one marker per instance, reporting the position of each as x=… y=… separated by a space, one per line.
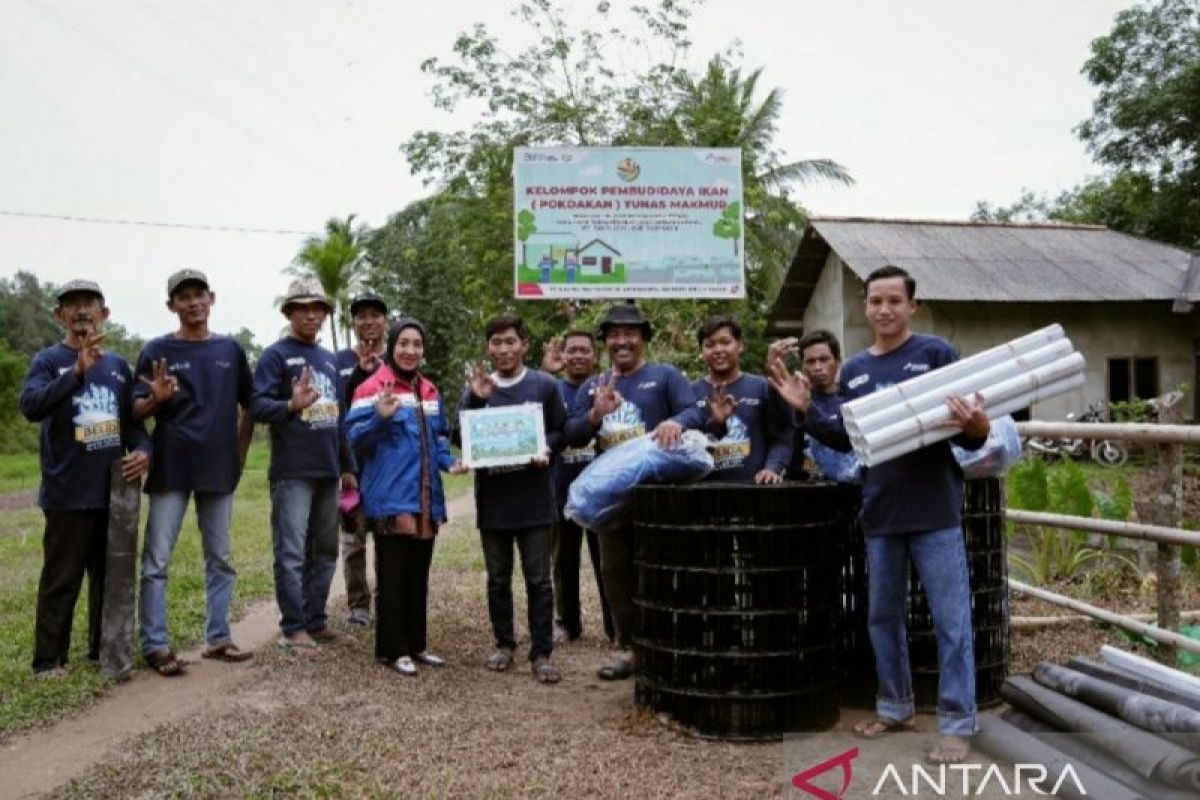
x=399 y=432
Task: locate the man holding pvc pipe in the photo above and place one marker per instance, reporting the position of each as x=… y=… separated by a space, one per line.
x=912 y=509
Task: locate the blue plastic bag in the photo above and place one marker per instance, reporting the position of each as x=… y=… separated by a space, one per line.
x=1001 y=450
x=834 y=464
x=599 y=498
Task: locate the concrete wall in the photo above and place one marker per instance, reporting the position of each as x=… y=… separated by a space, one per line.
x=825 y=308
x=1099 y=331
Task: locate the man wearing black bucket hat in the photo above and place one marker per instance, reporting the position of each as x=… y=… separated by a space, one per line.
x=632 y=398
x=368 y=313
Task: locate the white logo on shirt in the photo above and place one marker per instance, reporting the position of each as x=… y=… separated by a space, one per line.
x=295 y=361
x=858 y=381
x=911 y=367
x=647 y=385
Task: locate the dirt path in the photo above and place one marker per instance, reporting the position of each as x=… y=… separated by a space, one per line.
x=37 y=762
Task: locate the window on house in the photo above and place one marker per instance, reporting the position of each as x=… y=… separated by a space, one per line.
x=589 y=261
x=1132 y=378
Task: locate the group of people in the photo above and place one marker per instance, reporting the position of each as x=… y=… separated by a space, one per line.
x=359 y=440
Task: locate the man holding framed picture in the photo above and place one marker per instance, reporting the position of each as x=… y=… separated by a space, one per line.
x=515 y=503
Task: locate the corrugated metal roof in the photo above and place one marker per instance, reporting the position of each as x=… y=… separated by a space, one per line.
x=991 y=262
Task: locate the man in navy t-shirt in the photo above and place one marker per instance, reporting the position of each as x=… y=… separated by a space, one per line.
x=192 y=382
x=911 y=509
x=368 y=314
x=636 y=396
x=576 y=357
x=83 y=398
x=753 y=426
x=295 y=391
x=515 y=505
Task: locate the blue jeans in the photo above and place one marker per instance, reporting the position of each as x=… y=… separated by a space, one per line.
x=304 y=534
x=213 y=514
x=941 y=561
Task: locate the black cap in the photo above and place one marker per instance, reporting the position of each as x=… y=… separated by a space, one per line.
x=185 y=276
x=79 y=285
x=625 y=315
x=369 y=298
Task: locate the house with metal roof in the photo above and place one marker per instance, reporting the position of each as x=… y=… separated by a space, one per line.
x=1126 y=302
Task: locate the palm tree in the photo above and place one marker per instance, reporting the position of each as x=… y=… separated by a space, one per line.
x=720 y=109
x=334 y=260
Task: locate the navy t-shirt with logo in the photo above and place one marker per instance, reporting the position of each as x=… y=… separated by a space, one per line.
x=572 y=460
x=519 y=496
x=86 y=425
x=920 y=491
x=196 y=431
x=757 y=436
x=651 y=394
x=305 y=443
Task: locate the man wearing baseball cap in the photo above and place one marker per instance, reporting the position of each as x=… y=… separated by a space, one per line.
x=192 y=382
x=368 y=313
x=634 y=397
x=295 y=391
x=83 y=398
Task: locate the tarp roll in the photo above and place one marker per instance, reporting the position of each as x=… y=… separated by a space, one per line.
x=1005 y=742
x=1078 y=751
x=1146 y=712
x=1152 y=757
x=1128 y=680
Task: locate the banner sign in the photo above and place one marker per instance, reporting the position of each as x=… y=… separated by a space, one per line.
x=624 y=222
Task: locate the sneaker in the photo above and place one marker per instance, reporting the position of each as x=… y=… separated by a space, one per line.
x=430 y=660
x=404 y=665
x=360 y=617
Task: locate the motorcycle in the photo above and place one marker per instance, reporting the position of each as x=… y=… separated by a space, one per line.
x=1108 y=452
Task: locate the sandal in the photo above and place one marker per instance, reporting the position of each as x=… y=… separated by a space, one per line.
x=544 y=671
x=165 y=663
x=226 y=651
x=949 y=750
x=500 y=659
x=620 y=669
x=882 y=726
x=299 y=642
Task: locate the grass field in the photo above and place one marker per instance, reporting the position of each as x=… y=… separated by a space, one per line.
x=26 y=701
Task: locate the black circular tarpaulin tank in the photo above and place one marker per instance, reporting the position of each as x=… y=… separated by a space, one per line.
x=983 y=533
x=737 y=606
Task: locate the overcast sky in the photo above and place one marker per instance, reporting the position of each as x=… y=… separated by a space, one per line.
x=279 y=114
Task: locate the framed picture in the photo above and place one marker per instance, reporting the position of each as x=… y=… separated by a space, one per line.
x=497 y=437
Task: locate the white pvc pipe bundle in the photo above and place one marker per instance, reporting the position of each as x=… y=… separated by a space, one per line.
x=910 y=415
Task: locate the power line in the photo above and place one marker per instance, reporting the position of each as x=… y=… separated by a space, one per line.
x=154 y=224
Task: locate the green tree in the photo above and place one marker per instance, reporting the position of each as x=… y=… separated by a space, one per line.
x=334 y=260
x=245 y=338
x=27 y=314
x=574 y=86
x=1144 y=128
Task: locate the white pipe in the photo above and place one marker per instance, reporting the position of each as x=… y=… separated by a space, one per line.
x=872 y=458
x=993 y=395
x=858 y=409
x=965 y=385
